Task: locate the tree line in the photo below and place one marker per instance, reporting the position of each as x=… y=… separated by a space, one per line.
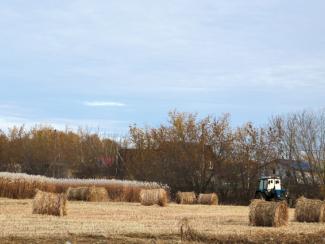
x=47 y=151
x=188 y=153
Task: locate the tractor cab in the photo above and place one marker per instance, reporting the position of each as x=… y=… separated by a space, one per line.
x=270 y=188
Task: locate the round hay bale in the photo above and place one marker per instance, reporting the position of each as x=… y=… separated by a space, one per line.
x=208 y=199
x=252 y=211
x=97 y=194
x=77 y=193
x=263 y=213
x=49 y=203
x=309 y=210
x=90 y=194
x=153 y=196
x=185 y=197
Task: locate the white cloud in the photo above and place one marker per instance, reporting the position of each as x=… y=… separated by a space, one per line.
x=103 y=104
x=5 y=106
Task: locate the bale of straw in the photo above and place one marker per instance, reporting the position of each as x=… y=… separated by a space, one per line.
x=208 y=199
x=310 y=210
x=185 y=197
x=97 y=194
x=49 y=203
x=153 y=196
x=263 y=213
x=252 y=210
x=91 y=194
x=77 y=193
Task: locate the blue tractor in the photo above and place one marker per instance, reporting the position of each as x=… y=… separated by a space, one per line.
x=270 y=189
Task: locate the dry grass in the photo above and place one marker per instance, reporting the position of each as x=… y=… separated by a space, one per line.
x=310 y=210
x=97 y=222
x=187 y=231
x=263 y=213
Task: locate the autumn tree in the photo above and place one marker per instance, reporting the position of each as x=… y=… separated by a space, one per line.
x=302 y=139
x=185 y=153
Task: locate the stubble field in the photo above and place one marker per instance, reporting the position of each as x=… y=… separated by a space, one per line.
x=116 y=222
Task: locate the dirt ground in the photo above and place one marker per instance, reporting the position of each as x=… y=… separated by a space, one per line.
x=116 y=222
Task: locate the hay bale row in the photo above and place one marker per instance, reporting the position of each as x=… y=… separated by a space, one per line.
x=90 y=194
x=186 y=198
x=19 y=185
x=309 y=210
x=153 y=196
x=208 y=199
x=263 y=213
x=49 y=203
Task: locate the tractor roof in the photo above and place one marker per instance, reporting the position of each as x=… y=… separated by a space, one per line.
x=269 y=177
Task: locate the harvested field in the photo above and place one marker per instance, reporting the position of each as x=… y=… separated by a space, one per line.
x=116 y=222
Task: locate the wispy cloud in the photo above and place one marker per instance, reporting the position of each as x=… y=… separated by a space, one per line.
x=5 y=106
x=103 y=104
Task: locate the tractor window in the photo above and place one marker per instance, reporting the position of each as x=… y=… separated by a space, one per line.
x=277 y=185
x=270 y=184
x=261 y=186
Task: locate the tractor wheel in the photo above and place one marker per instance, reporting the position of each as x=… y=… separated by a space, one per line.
x=290 y=202
x=259 y=196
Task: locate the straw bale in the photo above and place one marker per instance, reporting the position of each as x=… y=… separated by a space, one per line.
x=49 y=203
x=185 y=197
x=208 y=199
x=77 y=193
x=252 y=211
x=309 y=210
x=263 y=213
x=97 y=194
x=91 y=194
x=153 y=196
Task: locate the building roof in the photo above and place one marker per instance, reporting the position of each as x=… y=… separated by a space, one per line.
x=295 y=164
x=269 y=177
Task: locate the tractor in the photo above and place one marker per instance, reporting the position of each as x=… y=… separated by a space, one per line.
x=270 y=189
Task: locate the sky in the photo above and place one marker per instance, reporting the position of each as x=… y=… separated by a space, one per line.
x=109 y=64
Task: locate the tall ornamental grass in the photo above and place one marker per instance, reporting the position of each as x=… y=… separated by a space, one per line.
x=20 y=186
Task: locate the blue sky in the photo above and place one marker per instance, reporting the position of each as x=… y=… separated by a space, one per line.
x=108 y=64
